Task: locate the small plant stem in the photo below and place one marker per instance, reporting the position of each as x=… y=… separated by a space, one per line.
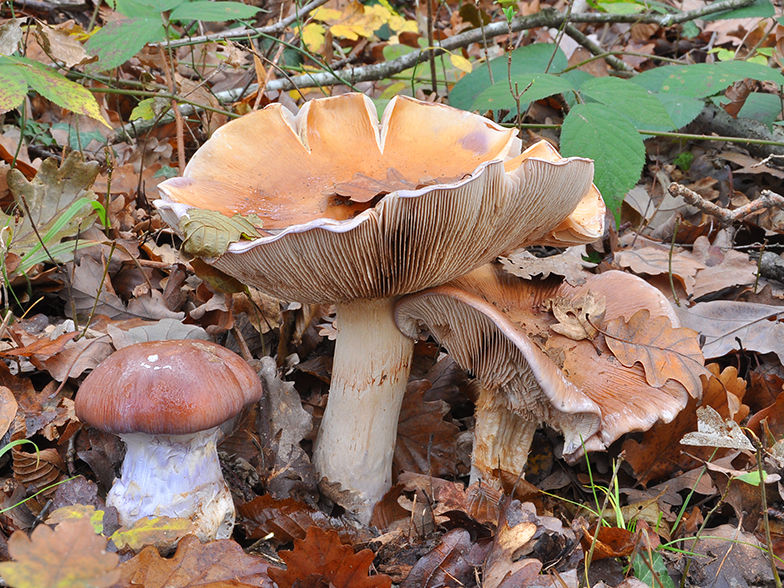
x=177 y=114
x=433 y=78
x=589 y=557
x=669 y=262
x=100 y=289
x=758 y=448
x=484 y=41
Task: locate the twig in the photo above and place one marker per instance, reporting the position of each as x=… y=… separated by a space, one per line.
x=595 y=49
x=548 y=17
x=243 y=32
x=726 y=217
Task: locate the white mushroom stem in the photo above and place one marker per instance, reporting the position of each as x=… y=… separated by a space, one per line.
x=502 y=439
x=174 y=476
x=356 y=441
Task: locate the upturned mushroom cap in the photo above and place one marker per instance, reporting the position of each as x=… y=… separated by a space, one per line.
x=170 y=387
x=372 y=211
x=489 y=320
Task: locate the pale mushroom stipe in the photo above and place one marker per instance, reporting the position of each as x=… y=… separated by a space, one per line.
x=358 y=213
x=166 y=400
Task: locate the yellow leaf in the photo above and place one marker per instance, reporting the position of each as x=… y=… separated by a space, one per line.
x=327 y=14
x=313 y=35
x=76 y=512
x=460 y=62
x=400 y=25
x=148 y=531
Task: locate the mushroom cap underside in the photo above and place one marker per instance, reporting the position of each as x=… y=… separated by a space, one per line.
x=488 y=202
x=512 y=317
x=169 y=387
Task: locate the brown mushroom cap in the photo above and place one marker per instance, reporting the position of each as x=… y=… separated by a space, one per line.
x=451 y=202
x=170 y=387
x=489 y=319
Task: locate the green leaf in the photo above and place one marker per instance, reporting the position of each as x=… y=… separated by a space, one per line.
x=614 y=7
x=643 y=573
x=689 y=30
x=213 y=11
x=595 y=131
x=57 y=88
x=682 y=110
x=209 y=233
x=529 y=59
x=628 y=99
x=764 y=108
x=703 y=79
x=753 y=477
x=539 y=86
x=120 y=40
x=158 y=6
x=758 y=9
x=13 y=86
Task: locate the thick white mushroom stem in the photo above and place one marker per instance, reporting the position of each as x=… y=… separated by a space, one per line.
x=356 y=440
x=502 y=439
x=174 y=476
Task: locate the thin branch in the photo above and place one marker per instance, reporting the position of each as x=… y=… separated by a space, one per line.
x=243 y=32
x=595 y=49
x=726 y=217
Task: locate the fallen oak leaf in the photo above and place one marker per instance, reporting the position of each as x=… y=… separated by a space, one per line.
x=217 y=564
x=664 y=352
x=321 y=554
x=158 y=531
x=71 y=555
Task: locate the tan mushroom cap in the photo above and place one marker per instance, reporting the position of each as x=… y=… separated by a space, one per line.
x=452 y=202
x=170 y=387
x=488 y=321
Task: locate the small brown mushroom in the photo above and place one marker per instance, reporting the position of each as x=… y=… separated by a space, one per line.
x=490 y=320
x=166 y=400
x=359 y=213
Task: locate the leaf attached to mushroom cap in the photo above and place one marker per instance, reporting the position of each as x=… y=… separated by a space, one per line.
x=578 y=318
x=209 y=233
x=663 y=351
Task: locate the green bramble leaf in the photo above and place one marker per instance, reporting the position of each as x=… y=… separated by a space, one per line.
x=534 y=86
x=17 y=73
x=628 y=99
x=208 y=233
x=120 y=40
x=213 y=11
x=596 y=131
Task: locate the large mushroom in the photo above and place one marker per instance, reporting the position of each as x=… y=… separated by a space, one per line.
x=358 y=214
x=166 y=400
x=498 y=327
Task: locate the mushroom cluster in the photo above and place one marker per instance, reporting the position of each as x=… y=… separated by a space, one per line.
x=489 y=320
x=166 y=400
x=359 y=213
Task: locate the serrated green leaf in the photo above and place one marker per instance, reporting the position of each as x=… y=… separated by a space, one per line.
x=208 y=233
x=57 y=88
x=628 y=99
x=703 y=79
x=213 y=11
x=621 y=7
x=159 y=6
x=143 y=110
x=529 y=59
x=13 y=86
x=764 y=108
x=758 y=9
x=150 y=531
x=120 y=40
x=535 y=86
x=595 y=131
x=643 y=572
x=681 y=109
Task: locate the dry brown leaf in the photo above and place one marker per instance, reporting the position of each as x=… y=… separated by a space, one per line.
x=659 y=453
x=569 y=264
x=322 y=556
x=288 y=519
x=654 y=261
x=8 y=406
x=426 y=443
x=40 y=469
x=665 y=352
x=218 y=564
x=72 y=555
x=444 y=564
x=610 y=542
x=724 y=268
x=578 y=318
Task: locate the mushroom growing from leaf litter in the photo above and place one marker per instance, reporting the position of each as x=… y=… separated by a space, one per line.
x=359 y=213
x=491 y=322
x=166 y=401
